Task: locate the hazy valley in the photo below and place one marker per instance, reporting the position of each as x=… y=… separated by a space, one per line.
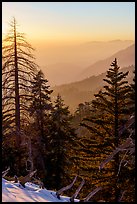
x=84 y=90
x=63 y=64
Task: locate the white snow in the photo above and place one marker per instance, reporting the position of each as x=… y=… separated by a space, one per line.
x=14 y=192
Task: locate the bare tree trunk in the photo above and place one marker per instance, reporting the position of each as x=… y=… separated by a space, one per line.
x=17 y=99
x=17 y=102
x=18 y=70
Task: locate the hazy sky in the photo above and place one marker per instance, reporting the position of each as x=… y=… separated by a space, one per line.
x=59 y=31
x=72 y=21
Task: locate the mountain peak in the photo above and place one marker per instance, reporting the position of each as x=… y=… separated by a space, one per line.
x=125 y=58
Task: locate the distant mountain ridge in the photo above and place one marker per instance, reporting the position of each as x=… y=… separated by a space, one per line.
x=110 y=41
x=125 y=57
x=84 y=90
x=69 y=63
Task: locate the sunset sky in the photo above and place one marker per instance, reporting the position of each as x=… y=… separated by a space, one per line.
x=72 y=21
x=62 y=32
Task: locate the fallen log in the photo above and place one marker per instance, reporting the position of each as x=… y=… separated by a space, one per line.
x=91 y=194
x=27 y=178
x=38 y=182
x=77 y=191
x=4 y=173
x=59 y=192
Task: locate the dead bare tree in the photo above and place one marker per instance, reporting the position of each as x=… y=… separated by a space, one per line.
x=18 y=70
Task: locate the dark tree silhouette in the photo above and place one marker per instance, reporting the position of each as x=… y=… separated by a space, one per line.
x=40 y=108
x=41 y=103
x=61 y=143
x=109 y=112
x=18 y=69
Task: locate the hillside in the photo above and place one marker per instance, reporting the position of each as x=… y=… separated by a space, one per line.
x=81 y=91
x=60 y=61
x=125 y=58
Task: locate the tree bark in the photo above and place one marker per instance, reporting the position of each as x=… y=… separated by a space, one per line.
x=17 y=98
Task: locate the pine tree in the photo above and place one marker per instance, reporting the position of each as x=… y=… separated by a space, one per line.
x=40 y=109
x=129 y=157
x=132 y=95
x=60 y=145
x=132 y=107
x=18 y=69
x=108 y=113
x=41 y=102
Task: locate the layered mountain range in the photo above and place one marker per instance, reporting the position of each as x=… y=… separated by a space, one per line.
x=84 y=90
x=65 y=64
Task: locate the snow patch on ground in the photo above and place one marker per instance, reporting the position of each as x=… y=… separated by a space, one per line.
x=14 y=192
